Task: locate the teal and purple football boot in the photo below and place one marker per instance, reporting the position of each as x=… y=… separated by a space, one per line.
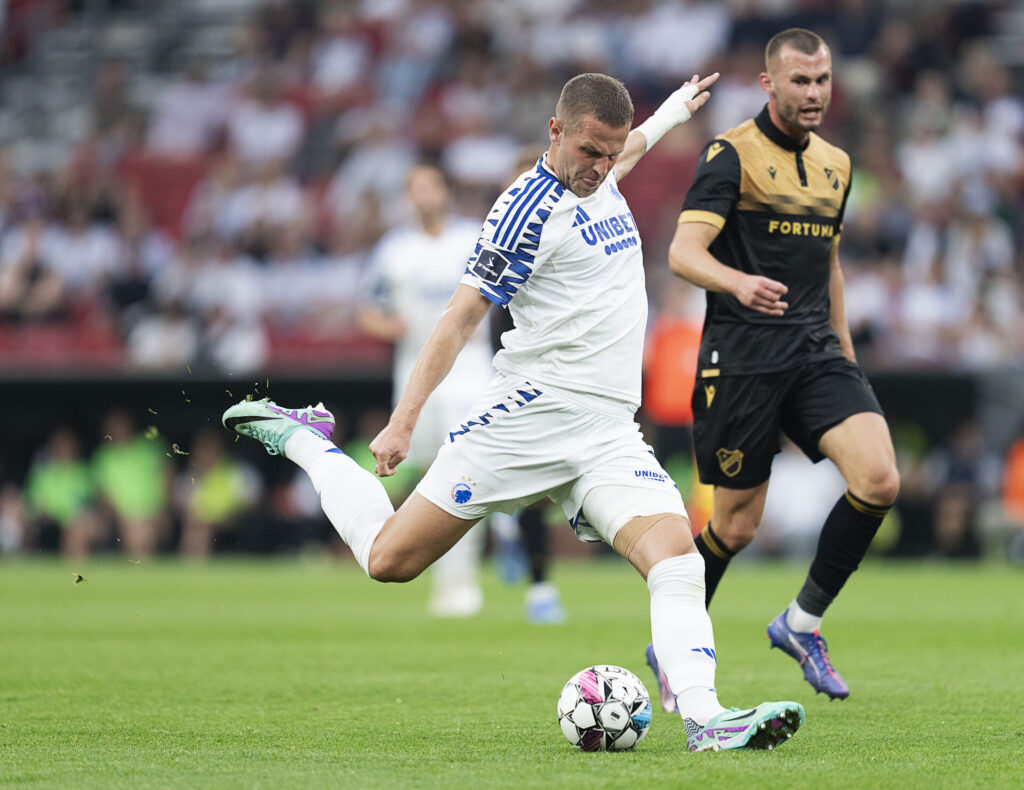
x=764 y=727
x=270 y=424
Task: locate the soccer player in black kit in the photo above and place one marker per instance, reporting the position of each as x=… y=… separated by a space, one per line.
x=759 y=231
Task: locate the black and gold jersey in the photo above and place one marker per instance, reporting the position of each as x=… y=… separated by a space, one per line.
x=779 y=205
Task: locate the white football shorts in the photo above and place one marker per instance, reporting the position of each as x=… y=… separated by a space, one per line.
x=523 y=442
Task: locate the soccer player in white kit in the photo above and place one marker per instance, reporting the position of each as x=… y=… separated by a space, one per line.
x=412 y=273
x=561 y=251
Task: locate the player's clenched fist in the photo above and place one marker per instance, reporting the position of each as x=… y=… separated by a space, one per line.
x=761 y=294
x=390 y=447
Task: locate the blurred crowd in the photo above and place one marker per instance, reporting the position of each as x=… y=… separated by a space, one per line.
x=127 y=489
x=128 y=492
x=216 y=208
x=204 y=208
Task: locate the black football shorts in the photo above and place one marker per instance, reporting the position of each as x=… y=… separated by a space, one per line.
x=737 y=419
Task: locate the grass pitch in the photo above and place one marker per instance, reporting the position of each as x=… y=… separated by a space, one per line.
x=299 y=673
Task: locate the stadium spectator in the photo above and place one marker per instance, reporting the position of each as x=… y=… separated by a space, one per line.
x=268 y=205
x=1013 y=498
x=189 y=113
x=263 y=125
x=213 y=493
x=32 y=283
x=342 y=57
x=963 y=477
x=737 y=99
x=111 y=100
x=215 y=274
x=143 y=251
x=291 y=278
x=776 y=353
x=133 y=478
x=232 y=343
x=61 y=497
x=87 y=253
x=652 y=35
x=13 y=528
x=415 y=40
x=209 y=208
x=163 y=339
x=375 y=155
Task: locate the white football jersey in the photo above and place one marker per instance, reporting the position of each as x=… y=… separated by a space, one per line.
x=413 y=275
x=571 y=272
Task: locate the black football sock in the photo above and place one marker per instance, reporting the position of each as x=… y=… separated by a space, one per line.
x=844 y=541
x=716 y=559
x=535 y=542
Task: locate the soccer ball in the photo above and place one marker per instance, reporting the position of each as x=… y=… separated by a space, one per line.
x=604 y=708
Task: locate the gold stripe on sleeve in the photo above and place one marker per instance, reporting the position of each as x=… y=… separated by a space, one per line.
x=707 y=217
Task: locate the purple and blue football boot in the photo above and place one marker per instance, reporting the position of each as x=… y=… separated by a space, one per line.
x=810 y=649
x=668 y=699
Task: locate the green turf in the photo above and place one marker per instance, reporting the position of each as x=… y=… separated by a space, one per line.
x=302 y=673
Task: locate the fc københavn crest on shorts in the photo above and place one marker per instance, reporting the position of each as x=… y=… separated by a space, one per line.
x=462 y=491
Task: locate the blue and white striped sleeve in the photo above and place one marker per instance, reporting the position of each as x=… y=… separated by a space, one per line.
x=505 y=254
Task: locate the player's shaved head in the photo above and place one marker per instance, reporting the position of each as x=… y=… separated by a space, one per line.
x=603 y=98
x=798 y=81
x=798 y=38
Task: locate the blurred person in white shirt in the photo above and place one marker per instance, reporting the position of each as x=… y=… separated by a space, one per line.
x=187 y=114
x=413 y=271
x=263 y=125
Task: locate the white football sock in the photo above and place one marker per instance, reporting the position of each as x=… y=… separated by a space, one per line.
x=800 y=620
x=353 y=498
x=304 y=447
x=683 y=638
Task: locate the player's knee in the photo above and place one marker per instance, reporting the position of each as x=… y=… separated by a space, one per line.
x=386 y=566
x=647 y=540
x=882 y=485
x=737 y=532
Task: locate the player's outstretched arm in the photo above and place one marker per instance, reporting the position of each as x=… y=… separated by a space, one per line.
x=676 y=109
x=455 y=326
x=688 y=256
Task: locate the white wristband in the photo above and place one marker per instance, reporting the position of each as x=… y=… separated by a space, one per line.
x=672 y=112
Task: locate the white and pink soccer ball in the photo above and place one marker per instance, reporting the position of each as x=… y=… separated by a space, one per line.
x=604 y=708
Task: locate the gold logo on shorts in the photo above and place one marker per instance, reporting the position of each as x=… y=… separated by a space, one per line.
x=731 y=461
x=709 y=391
